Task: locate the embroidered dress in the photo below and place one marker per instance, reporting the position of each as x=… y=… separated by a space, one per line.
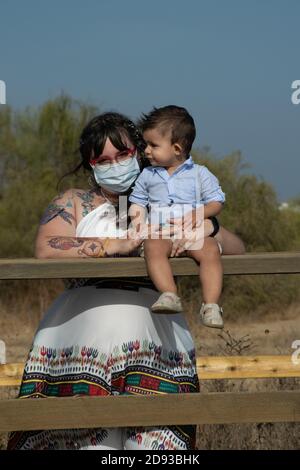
x=99 y=341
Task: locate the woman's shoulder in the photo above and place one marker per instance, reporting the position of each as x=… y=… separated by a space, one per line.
x=85 y=201
x=81 y=200
x=78 y=194
x=92 y=196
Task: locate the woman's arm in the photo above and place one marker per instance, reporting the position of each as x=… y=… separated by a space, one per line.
x=230 y=242
x=56 y=237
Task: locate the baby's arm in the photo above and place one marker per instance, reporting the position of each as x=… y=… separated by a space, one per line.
x=211 y=209
x=209 y=202
x=209 y=193
x=139 y=200
x=195 y=217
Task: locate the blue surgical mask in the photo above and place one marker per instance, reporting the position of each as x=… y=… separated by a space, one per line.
x=117 y=177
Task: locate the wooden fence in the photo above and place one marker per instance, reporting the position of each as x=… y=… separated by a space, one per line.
x=172 y=409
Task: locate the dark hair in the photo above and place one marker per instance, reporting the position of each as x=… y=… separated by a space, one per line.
x=110 y=125
x=173 y=119
x=113 y=126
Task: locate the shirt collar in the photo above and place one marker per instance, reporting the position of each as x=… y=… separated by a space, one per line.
x=188 y=163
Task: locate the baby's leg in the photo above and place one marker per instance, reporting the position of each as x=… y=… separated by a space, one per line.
x=210 y=271
x=157 y=254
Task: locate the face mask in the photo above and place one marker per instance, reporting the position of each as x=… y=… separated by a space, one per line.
x=117 y=177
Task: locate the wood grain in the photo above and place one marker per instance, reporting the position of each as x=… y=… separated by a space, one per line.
x=250 y=263
x=171 y=409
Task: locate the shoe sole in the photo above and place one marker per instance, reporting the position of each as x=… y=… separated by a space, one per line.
x=162 y=309
x=219 y=327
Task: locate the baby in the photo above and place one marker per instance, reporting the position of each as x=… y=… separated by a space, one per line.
x=172 y=186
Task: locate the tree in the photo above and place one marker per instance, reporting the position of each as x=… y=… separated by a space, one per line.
x=37 y=148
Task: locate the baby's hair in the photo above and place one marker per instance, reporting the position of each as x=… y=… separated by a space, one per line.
x=173 y=120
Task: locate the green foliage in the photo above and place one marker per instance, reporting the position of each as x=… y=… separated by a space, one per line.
x=38 y=146
x=252 y=211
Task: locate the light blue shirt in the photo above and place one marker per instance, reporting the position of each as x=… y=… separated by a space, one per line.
x=190 y=186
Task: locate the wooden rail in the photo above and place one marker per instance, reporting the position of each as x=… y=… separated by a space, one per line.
x=208 y=368
x=252 y=263
x=183 y=408
x=171 y=409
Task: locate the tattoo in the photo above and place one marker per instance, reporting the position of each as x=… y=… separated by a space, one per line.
x=54 y=210
x=59 y=196
x=65 y=243
x=88 y=199
x=92 y=248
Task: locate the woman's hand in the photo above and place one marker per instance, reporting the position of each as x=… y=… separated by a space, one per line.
x=189 y=231
x=146 y=231
x=193 y=241
x=132 y=239
x=127 y=245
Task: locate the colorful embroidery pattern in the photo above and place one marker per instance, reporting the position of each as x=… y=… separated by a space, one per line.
x=57 y=439
x=136 y=368
x=159 y=438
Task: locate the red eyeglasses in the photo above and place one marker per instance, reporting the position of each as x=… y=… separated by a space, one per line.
x=120 y=158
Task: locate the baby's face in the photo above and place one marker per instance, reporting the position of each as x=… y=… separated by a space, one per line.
x=160 y=151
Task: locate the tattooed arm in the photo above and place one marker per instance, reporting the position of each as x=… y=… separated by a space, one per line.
x=56 y=236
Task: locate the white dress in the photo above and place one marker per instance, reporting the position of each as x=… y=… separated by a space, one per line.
x=103 y=341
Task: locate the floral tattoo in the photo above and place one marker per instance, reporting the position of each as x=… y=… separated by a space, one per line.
x=87 y=201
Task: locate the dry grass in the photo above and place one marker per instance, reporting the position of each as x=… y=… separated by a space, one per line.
x=263 y=436
x=272 y=333
x=23 y=303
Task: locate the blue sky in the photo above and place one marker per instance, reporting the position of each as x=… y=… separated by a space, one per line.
x=229 y=62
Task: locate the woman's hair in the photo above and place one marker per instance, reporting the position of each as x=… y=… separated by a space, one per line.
x=113 y=126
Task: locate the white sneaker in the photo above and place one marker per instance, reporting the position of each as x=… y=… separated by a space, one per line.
x=168 y=302
x=211 y=315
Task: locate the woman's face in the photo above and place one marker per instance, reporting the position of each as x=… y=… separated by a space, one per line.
x=116 y=170
x=111 y=155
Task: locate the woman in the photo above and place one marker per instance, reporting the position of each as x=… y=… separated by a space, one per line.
x=99 y=337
